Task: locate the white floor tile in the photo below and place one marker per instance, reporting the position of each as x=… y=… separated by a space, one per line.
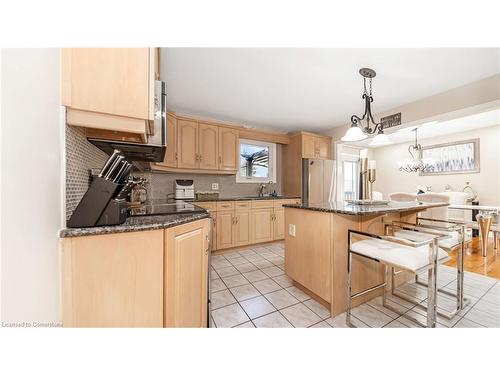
x=318 y=308
x=227 y=271
x=221 y=299
x=254 y=276
x=235 y=280
x=229 y=316
x=266 y=286
x=216 y=285
x=274 y=320
x=257 y=307
x=281 y=299
x=297 y=293
x=244 y=292
x=371 y=316
x=300 y=315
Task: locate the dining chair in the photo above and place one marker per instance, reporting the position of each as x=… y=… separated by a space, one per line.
x=402 y=197
x=404 y=254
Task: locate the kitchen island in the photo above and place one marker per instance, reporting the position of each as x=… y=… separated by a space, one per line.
x=316 y=247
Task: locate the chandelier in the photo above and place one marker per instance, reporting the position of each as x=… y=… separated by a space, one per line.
x=416 y=163
x=359 y=131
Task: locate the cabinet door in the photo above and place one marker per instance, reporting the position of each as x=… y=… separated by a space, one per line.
x=279 y=224
x=113 y=81
x=187 y=144
x=228 y=149
x=186 y=275
x=323 y=148
x=113 y=280
x=208 y=146
x=261 y=225
x=241 y=233
x=225 y=223
x=308 y=146
x=170 y=159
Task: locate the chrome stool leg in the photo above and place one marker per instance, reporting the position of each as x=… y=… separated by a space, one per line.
x=432 y=287
x=349 y=287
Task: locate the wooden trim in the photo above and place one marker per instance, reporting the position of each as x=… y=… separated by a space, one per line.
x=311 y=134
x=158 y=167
x=105 y=121
x=114 y=135
x=66 y=77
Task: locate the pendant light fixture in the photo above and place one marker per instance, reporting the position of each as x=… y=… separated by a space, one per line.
x=416 y=164
x=359 y=131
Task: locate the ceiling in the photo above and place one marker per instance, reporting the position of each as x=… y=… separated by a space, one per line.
x=311 y=89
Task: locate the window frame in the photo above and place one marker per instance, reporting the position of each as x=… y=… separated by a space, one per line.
x=272 y=163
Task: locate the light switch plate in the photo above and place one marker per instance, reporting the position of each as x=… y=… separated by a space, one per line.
x=215 y=186
x=291 y=230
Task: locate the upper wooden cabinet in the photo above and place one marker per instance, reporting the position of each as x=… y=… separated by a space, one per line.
x=208 y=149
x=171 y=153
x=187 y=144
x=99 y=86
x=315 y=146
x=195 y=146
x=228 y=149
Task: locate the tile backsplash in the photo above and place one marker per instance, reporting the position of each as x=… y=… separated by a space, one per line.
x=81 y=155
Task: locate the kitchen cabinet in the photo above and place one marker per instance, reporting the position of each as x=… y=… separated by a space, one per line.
x=240 y=223
x=262 y=225
x=279 y=224
x=241 y=227
x=308 y=146
x=211 y=207
x=225 y=232
x=170 y=159
x=228 y=149
x=315 y=146
x=323 y=147
x=109 y=88
x=187 y=144
x=208 y=146
x=186 y=275
x=113 y=280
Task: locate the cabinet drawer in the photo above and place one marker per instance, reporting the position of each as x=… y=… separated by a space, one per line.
x=242 y=205
x=225 y=206
x=262 y=204
x=209 y=206
x=279 y=203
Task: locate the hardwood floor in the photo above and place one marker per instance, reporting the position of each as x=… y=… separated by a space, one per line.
x=474 y=262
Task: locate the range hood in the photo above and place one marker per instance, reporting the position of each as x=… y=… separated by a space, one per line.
x=153 y=150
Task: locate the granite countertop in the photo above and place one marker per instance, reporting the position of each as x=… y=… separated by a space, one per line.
x=351 y=209
x=252 y=198
x=136 y=223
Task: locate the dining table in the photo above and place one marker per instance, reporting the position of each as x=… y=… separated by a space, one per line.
x=486 y=221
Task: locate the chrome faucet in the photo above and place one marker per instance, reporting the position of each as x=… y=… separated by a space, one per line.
x=261 y=189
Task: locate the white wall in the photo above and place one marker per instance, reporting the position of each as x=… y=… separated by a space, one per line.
x=486 y=183
x=31 y=195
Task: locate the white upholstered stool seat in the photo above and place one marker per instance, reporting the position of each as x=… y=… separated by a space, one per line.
x=404 y=257
x=452 y=241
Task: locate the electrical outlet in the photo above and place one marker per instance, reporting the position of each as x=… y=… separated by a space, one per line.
x=291 y=230
x=215 y=186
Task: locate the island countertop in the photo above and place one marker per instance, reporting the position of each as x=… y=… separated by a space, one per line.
x=353 y=209
x=136 y=223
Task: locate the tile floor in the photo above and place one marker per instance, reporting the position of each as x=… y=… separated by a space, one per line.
x=250 y=289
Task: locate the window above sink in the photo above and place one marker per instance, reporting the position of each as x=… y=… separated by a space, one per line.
x=257 y=162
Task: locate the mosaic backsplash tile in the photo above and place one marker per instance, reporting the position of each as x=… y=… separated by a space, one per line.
x=81 y=155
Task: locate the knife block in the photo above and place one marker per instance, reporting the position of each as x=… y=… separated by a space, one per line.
x=94 y=203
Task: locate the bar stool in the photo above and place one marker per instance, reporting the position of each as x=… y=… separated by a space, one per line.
x=401 y=253
x=403 y=197
x=457 y=237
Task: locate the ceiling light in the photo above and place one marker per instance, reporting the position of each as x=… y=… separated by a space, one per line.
x=416 y=163
x=371 y=127
x=354 y=134
x=380 y=140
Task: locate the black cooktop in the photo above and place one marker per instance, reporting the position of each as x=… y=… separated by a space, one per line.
x=179 y=207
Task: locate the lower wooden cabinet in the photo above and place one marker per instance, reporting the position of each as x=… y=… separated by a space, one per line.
x=241 y=228
x=279 y=224
x=225 y=232
x=262 y=225
x=113 y=280
x=186 y=275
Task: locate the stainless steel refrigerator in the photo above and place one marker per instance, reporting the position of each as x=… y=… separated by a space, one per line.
x=318 y=181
